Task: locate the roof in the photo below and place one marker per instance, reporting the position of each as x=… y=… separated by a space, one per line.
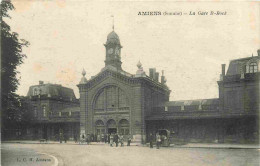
x=213 y=101
x=236 y=65
x=112 y=37
x=52 y=90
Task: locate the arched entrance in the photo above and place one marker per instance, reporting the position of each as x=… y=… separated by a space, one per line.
x=100 y=127
x=111 y=126
x=124 y=127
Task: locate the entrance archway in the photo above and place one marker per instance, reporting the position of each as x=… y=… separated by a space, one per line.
x=111 y=126
x=124 y=127
x=100 y=127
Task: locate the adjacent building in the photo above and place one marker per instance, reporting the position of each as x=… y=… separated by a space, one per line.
x=54 y=112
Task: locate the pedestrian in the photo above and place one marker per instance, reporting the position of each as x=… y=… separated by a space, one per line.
x=108 y=138
x=158 y=140
x=111 y=140
x=91 y=137
x=151 y=140
x=121 y=140
x=98 y=138
x=65 y=138
x=129 y=140
x=75 y=138
x=102 y=138
x=105 y=138
x=88 y=139
x=116 y=139
x=61 y=137
x=82 y=138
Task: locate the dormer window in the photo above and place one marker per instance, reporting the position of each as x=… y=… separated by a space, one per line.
x=253 y=67
x=35 y=92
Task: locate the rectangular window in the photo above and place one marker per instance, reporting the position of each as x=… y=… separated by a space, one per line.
x=70 y=113
x=122 y=132
x=165 y=108
x=182 y=108
x=35 y=111
x=60 y=114
x=44 y=111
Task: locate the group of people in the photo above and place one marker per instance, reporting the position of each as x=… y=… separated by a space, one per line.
x=113 y=138
x=116 y=138
x=158 y=139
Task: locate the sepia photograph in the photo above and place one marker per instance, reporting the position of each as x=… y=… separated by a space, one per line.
x=130 y=83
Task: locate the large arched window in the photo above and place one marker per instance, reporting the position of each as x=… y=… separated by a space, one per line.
x=253 y=67
x=110 y=98
x=111 y=123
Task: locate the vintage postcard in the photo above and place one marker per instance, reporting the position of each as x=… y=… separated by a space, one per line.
x=130 y=83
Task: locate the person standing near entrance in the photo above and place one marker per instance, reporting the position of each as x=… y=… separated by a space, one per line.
x=108 y=138
x=158 y=140
x=88 y=139
x=105 y=138
x=116 y=139
x=61 y=137
x=129 y=140
x=151 y=140
x=111 y=139
x=121 y=140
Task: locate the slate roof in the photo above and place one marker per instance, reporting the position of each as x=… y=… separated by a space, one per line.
x=236 y=64
x=213 y=101
x=53 y=90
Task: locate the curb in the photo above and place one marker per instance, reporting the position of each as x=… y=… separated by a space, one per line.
x=139 y=145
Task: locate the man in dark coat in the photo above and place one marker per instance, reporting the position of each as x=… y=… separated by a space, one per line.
x=151 y=140
x=108 y=139
x=116 y=139
x=105 y=138
x=129 y=140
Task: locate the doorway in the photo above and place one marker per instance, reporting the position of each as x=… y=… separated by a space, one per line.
x=112 y=130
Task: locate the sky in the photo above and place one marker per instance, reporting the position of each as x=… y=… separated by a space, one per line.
x=67 y=36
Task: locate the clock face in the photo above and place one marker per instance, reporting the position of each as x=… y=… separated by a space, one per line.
x=110 y=51
x=117 y=51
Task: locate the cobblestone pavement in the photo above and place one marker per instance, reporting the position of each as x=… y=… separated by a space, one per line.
x=104 y=155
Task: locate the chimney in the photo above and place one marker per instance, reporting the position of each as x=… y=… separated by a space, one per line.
x=162 y=77
x=156 y=76
x=152 y=73
x=258 y=52
x=41 y=82
x=223 y=69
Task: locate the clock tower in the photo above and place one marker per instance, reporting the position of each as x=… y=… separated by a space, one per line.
x=113 y=51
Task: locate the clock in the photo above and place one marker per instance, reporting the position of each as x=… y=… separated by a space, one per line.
x=117 y=51
x=110 y=51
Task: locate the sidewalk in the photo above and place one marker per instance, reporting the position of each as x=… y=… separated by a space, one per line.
x=189 y=145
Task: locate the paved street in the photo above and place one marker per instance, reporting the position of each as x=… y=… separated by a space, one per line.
x=12 y=155
x=103 y=155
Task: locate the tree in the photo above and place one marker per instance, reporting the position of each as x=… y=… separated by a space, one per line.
x=11 y=58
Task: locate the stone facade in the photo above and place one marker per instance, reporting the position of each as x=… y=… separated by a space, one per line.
x=116 y=101
x=229 y=118
x=54 y=109
x=138 y=105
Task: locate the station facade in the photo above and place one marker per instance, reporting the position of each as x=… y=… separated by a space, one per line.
x=138 y=104
x=115 y=101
